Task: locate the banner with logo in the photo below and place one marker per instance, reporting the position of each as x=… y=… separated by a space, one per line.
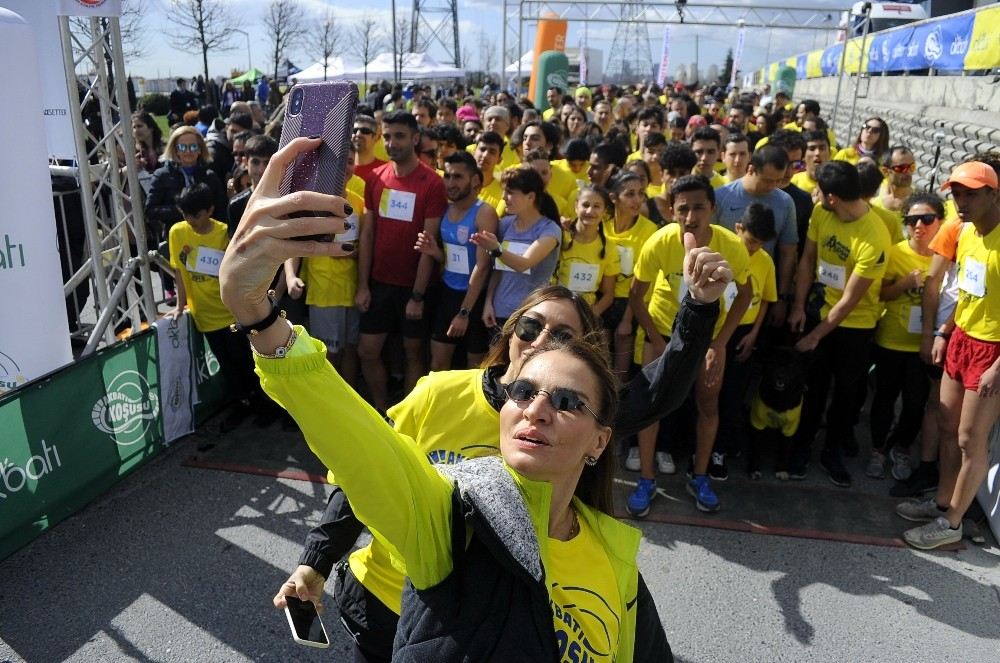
x=177 y=376
x=984 y=49
x=72 y=436
x=664 y=70
x=741 y=36
x=583 y=63
x=89 y=7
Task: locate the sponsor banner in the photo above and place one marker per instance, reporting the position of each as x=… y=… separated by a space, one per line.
x=802 y=66
x=856 y=60
x=89 y=7
x=814 y=66
x=661 y=75
x=583 y=63
x=940 y=44
x=70 y=437
x=177 y=376
x=210 y=388
x=984 y=49
x=741 y=36
x=830 y=62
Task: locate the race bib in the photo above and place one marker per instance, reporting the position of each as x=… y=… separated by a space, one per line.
x=729 y=295
x=208 y=261
x=627 y=260
x=972 y=278
x=583 y=277
x=398 y=205
x=517 y=248
x=915 y=323
x=349 y=235
x=831 y=275
x=456 y=259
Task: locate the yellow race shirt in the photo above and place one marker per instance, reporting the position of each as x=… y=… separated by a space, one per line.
x=196 y=258
x=804 y=181
x=762 y=417
x=849 y=154
x=654 y=190
x=333 y=281
x=564 y=181
x=763 y=283
x=717 y=180
x=629 y=244
x=492 y=194
x=471 y=429
x=892 y=221
x=379 y=149
x=356 y=185
x=583 y=609
x=663 y=254
x=978 y=308
x=581 y=267
x=860 y=247
x=900 y=325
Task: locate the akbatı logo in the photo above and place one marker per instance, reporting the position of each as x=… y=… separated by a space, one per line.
x=10 y=374
x=932 y=45
x=556 y=80
x=14 y=477
x=128 y=409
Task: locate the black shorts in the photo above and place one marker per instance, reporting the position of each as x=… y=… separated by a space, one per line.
x=612 y=317
x=387 y=312
x=446 y=307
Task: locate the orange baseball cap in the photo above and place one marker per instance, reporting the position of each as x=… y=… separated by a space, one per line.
x=973 y=174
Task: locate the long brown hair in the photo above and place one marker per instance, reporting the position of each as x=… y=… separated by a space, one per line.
x=499 y=352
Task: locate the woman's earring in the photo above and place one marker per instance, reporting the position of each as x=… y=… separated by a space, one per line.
x=590 y=460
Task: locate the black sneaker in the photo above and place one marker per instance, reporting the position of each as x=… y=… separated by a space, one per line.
x=839 y=476
x=923 y=480
x=717 y=467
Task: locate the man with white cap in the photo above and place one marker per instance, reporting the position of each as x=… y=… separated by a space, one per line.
x=970 y=387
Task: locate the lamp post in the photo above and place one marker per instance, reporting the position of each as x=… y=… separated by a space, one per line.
x=247 y=35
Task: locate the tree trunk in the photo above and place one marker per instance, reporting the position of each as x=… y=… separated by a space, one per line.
x=204 y=62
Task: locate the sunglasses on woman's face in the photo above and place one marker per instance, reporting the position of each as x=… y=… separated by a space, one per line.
x=181 y=147
x=874 y=128
x=904 y=168
x=926 y=219
x=528 y=329
x=563 y=399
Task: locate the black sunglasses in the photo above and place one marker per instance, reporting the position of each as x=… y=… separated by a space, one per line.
x=874 y=128
x=926 y=219
x=528 y=329
x=563 y=399
x=363 y=130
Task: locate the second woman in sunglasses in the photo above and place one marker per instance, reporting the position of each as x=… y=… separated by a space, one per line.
x=872 y=141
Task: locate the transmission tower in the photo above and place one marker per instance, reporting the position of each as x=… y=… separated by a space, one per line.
x=436 y=22
x=630 y=58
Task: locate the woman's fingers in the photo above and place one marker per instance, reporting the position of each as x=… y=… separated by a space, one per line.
x=281 y=160
x=301 y=248
x=308 y=225
x=305 y=201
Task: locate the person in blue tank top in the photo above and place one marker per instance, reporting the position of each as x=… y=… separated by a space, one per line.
x=458 y=314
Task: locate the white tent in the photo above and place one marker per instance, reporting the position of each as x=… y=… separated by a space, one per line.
x=314 y=73
x=415 y=66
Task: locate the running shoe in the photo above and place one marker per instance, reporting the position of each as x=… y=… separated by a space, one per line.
x=665 y=463
x=717 y=467
x=934 y=534
x=640 y=498
x=901 y=467
x=923 y=480
x=876 y=465
x=632 y=459
x=700 y=488
x=919 y=511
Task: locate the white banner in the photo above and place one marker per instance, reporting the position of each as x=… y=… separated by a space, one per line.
x=583 y=63
x=661 y=76
x=737 y=56
x=34 y=332
x=178 y=391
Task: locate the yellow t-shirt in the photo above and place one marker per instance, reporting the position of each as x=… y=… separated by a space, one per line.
x=584 y=596
x=849 y=154
x=860 y=247
x=893 y=222
x=653 y=190
x=763 y=283
x=508 y=158
x=804 y=181
x=548 y=113
x=634 y=156
x=564 y=181
x=379 y=149
x=978 y=308
x=356 y=185
x=492 y=194
x=471 y=430
x=333 y=281
x=717 y=180
x=196 y=258
x=899 y=328
x=663 y=253
x=581 y=267
x=629 y=245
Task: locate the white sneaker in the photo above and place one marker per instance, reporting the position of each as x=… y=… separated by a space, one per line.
x=632 y=459
x=936 y=533
x=665 y=463
x=901 y=465
x=919 y=511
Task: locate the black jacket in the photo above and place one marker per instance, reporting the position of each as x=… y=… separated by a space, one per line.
x=168 y=182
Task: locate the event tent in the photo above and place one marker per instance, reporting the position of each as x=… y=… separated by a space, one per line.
x=415 y=65
x=252 y=75
x=314 y=72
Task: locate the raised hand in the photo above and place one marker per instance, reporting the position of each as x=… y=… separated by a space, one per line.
x=706 y=272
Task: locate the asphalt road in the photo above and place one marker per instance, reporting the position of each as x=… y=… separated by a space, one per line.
x=180 y=564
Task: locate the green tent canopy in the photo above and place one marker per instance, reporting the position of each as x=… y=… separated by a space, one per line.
x=251 y=76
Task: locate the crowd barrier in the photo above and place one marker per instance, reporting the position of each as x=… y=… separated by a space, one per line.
x=71 y=435
x=967 y=41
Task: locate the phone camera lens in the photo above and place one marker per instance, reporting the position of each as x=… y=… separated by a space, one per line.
x=296 y=103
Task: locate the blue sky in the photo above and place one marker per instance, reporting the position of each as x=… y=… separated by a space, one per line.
x=479 y=20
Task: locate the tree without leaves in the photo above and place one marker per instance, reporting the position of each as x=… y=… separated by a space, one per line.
x=366 y=43
x=285 y=23
x=398 y=37
x=206 y=25
x=487 y=53
x=324 y=40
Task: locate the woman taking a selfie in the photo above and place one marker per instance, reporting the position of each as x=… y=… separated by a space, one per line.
x=523 y=530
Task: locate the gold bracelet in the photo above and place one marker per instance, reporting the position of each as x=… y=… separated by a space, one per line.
x=281 y=350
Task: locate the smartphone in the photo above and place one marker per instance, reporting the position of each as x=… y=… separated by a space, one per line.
x=326 y=110
x=307 y=629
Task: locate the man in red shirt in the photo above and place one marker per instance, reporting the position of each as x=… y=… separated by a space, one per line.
x=364 y=137
x=402 y=199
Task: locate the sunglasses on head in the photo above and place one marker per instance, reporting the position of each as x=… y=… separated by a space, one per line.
x=926 y=219
x=181 y=147
x=904 y=168
x=363 y=130
x=528 y=329
x=563 y=399
x=874 y=128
